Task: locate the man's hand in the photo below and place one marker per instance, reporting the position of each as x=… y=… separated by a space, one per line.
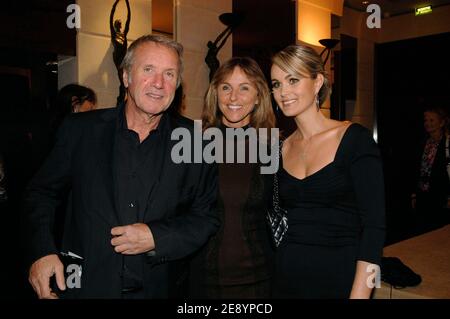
x=40 y=273
x=132 y=239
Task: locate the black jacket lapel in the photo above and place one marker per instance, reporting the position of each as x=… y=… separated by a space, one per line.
x=105 y=135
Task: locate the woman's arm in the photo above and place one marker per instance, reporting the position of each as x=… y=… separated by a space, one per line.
x=366 y=278
x=367 y=176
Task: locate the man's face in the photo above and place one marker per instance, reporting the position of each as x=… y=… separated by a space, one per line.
x=152 y=81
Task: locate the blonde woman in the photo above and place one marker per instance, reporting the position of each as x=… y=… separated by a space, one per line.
x=331 y=184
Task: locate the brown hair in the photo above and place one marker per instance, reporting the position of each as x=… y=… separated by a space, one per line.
x=262 y=115
x=301 y=60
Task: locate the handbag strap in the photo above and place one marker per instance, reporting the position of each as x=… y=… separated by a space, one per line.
x=276 y=198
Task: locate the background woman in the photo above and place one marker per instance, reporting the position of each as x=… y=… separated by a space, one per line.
x=330 y=183
x=431 y=183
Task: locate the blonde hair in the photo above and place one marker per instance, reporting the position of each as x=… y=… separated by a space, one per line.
x=301 y=60
x=262 y=115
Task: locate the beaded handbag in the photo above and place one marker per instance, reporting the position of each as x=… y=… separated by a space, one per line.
x=277 y=216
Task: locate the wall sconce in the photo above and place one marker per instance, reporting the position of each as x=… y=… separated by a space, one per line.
x=329 y=44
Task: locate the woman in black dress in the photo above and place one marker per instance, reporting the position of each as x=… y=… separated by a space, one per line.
x=331 y=184
x=236 y=262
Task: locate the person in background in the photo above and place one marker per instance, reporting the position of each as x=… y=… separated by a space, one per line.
x=236 y=262
x=3 y=192
x=330 y=182
x=72 y=98
x=431 y=182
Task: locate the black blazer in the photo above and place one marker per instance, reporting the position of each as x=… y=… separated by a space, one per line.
x=181 y=214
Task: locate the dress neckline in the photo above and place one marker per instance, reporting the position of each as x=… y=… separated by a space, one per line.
x=323 y=168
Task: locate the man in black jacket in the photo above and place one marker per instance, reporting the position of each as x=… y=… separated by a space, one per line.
x=133 y=213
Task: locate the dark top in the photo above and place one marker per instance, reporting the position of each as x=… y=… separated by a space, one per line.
x=438 y=180
x=135 y=183
x=335 y=217
x=235 y=264
x=239 y=253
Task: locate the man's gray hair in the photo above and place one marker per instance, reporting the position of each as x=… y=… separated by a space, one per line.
x=128 y=60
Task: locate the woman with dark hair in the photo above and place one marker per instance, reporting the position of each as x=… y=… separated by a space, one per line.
x=330 y=182
x=72 y=98
x=235 y=263
x=431 y=183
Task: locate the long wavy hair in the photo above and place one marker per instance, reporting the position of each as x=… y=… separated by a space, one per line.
x=262 y=115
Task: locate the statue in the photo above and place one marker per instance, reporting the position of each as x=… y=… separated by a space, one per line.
x=120 y=44
x=213 y=49
x=231 y=20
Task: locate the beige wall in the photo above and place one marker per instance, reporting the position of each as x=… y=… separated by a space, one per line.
x=332 y=6
x=353 y=23
x=197 y=22
x=94 y=64
x=314 y=23
x=67 y=70
x=409 y=26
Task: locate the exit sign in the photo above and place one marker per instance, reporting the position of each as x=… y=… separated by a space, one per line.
x=423 y=10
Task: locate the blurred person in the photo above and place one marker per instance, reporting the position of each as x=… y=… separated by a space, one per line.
x=3 y=192
x=72 y=98
x=431 y=178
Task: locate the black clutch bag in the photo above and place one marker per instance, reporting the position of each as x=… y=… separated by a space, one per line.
x=277 y=216
x=396 y=273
